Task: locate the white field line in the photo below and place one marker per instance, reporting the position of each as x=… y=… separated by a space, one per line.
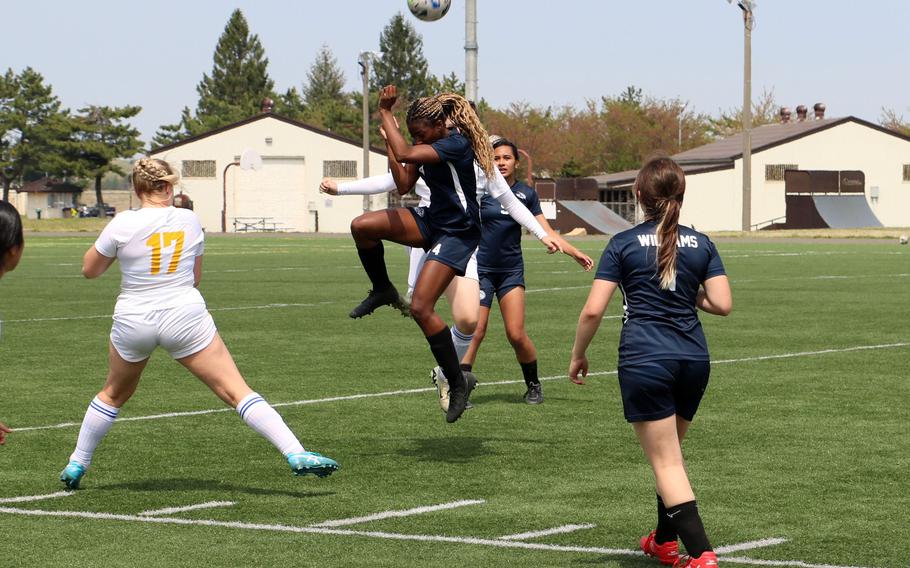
x=173 y=510
x=750 y=545
x=433 y=389
x=517 y=544
x=30 y=498
x=394 y=514
x=556 y=530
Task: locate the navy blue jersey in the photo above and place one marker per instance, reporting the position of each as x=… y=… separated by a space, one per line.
x=500 y=244
x=453 y=186
x=659 y=324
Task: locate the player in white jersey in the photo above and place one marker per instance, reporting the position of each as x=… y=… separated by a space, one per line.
x=160 y=252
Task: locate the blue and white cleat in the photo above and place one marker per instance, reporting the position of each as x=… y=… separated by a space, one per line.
x=72 y=474
x=312 y=462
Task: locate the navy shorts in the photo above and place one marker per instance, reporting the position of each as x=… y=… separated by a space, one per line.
x=452 y=249
x=498 y=284
x=658 y=389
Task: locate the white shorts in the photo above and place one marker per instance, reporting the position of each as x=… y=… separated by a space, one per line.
x=418 y=256
x=181 y=331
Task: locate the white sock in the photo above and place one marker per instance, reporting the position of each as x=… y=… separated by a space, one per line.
x=462 y=341
x=262 y=418
x=98 y=420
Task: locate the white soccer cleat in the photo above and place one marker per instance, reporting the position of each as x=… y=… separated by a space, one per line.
x=442 y=387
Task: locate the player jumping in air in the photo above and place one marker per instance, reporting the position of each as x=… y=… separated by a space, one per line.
x=160 y=252
x=666 y=273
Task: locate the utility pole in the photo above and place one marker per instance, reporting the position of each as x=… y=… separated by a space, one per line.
x=470 y=50
x=365 y=72
x=746 y=7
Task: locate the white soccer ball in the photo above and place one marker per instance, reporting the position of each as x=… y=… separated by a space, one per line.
x=429 y=10
x=903 y=239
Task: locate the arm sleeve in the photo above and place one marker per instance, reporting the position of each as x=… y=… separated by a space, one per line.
x=499 y=189
x=715 y=264
x=368 y=186
x=610 y=265
x=109 y=241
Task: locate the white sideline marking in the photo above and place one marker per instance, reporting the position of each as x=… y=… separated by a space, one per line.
x=749 y=545
x=386 y=535
x=556 y=530
x=433 y=389
x=172 y=510
x=403 y=513
x=36 y=497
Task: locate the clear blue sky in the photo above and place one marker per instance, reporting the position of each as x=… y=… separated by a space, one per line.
x=851 y=55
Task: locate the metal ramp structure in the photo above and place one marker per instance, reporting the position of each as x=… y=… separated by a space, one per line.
x=594 y=216
x=845 y=211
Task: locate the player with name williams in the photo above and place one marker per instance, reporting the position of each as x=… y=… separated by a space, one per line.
x=666 y=272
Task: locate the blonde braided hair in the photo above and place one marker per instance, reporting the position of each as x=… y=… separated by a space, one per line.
x=457 y=109
x=151 y=174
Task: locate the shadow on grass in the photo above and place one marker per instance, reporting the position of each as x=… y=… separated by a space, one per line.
x=617 y=561
x=189 y=484
x=446 y=449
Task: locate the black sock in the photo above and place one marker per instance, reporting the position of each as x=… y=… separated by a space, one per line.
x=529 y=370
x=665 y=531
x=373 y=260
x=467 y=367
x=689 y=527
x=444 y=351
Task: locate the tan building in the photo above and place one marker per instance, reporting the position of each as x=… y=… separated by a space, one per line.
x=46 y=198
x=848 y=157
x=284 y=194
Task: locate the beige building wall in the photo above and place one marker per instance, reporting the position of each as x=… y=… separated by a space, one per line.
x=286 y=190
x=711 y=202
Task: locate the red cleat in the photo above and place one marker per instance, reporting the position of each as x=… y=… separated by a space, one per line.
x=667 y=553
x=707 y=560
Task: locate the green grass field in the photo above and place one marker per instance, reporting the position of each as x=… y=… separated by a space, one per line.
x=799 y=453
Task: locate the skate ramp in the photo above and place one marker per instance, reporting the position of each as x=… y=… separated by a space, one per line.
x=845 y=211
x=598 y=216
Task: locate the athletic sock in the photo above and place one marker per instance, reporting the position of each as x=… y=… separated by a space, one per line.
x=529 y=370
x=467 y=367
x=373 y=260
x=665 y=531
x=446 y=357
x=99 y=417
x=688 y=525
x=461 y=341
x=262 y=418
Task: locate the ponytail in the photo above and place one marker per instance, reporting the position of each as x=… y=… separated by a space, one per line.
x=660 y=185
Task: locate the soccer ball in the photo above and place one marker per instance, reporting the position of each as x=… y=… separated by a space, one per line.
x=903 y=239
x=429 y=10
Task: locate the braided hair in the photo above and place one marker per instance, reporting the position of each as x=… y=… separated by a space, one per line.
x=151 y=174
x=457 y=109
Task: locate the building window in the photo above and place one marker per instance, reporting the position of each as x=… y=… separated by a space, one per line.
x=339 y=168
x=775 y=172
x=906 y=172
x=198 y=169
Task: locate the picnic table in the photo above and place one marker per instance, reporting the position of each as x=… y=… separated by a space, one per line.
x=257 y=225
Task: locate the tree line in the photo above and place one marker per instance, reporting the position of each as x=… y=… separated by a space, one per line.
x=613 y=133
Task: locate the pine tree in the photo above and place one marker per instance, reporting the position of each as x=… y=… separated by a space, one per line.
x=101 y=136
x=402 y=62
x=32 y=123
x=234 y=91
x=325 y=80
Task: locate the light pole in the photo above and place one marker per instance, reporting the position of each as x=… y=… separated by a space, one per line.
x=681 y=115
x=747 y=6
x=365 y=72
x=470 y=50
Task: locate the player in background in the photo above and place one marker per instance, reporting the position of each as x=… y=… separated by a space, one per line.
x=449 y=229
x=12 y=243
x=463 y=293
x=666 y=273
x=500 y=266
x=160 y=251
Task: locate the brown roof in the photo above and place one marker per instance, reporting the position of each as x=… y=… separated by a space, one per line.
x=48 y=185
x=261 y=116
x=721 y=155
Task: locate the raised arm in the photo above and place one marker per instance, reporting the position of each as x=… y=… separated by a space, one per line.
x=405 y=175
x=404 y=152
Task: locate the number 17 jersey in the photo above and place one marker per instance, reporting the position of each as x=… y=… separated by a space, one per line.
x=157 y=249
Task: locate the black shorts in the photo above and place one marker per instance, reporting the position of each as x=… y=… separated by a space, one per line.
x=452 y=249
x=498 y=284
x=658 y=389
